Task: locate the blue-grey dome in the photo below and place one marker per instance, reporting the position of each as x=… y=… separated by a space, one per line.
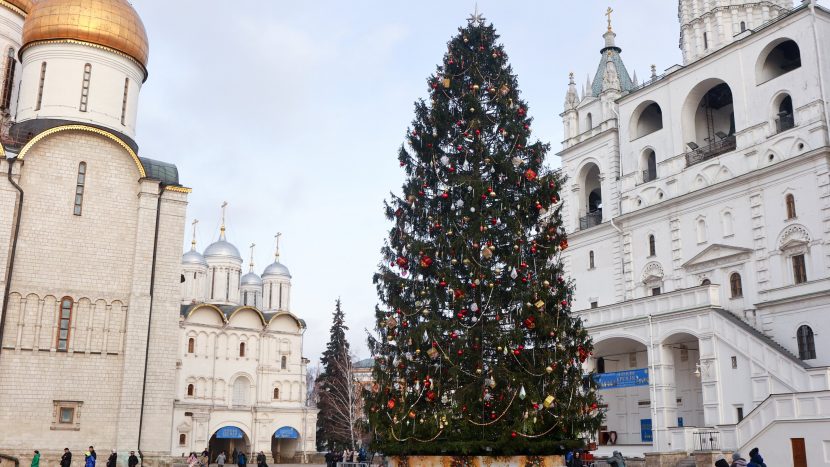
x=251 y=279
x=276 y=269
x=193 y=257
x=222 y=249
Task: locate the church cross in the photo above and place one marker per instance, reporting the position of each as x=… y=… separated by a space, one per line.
x=277 y=253
x=251 y=262
x=608 y=14
x=193 y=242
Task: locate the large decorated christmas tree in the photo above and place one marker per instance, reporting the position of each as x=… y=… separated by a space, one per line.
x=475 y=348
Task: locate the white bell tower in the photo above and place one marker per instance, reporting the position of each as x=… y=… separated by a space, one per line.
x=708 y=25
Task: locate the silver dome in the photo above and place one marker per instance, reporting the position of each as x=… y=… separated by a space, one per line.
x=193 y=257
x=276 y=269
x=251 y=279
x=222 y=249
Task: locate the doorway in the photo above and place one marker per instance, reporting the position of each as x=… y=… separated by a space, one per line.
x=799 y=452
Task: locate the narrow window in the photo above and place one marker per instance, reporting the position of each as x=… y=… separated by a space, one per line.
x=271 y=296
x=701 y=231
x=182 y=439
x=705 y=41
x=652 y=246
x=191 y=345
x=655 y=291
x=8 y=80
x=63 y=324
x=734 y=362
x=806 y=343
x=740 y=413
x=245 y=298
x=743 y=26
x=790 y=206
x=283 y=362
x=227 y=285
x=241 y=349
x=124 y=101
x=735 y=285
x=706 y=282
x=276 y=393
x=799 y=269
x=589 y=121
x=212 y=282
x=79 y=188
x=279 y=303
x=594 y=304
x=40 y=86
x=591 y=259
x=85 y=87
x=728 y=225
x=190 y=390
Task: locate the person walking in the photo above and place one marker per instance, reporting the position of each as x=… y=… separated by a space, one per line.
x=93 y=453
x=241 y=459
x=737 y=460
x=221 y=458
x=192 y=460
x=234 y=455
x=112 y=459
x=66 y=458
x=89 y=459
x=132 y=461
x=36 y=459
x=616 y=460
x=260 y=460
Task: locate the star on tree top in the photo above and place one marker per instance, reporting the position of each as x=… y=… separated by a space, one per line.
x=476 y=19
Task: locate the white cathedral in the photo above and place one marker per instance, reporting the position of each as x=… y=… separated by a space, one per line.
x=108 y=335
x=698 y=210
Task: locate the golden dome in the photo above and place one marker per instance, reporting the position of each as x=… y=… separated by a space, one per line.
x=110 y=23
x=23 y=5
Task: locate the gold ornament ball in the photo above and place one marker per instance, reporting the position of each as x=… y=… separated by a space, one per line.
x=478 y=371
x=549 y=370
x=476 y=87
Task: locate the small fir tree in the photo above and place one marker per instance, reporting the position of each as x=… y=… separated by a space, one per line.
x=339 y=421
x=475 y=348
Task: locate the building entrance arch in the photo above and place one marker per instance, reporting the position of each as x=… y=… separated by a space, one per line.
x=681 y=354
x=621 y=367
x=228 y=439
x=284 y=444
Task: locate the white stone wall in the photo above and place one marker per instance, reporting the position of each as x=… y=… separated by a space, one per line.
x=11 y=32
x=63 y=84
x=102 y=260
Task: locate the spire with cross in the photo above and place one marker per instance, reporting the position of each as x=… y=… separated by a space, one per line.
x=277 y=251
x=251 y=262
x=608 y=14
x=222 y=227
x=193 y=242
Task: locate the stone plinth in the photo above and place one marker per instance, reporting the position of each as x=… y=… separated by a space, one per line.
x=477 y=461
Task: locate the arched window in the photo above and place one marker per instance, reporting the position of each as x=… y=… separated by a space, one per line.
x=40 y=86
x=191 y=345
x=705 y=41
x=591 y=259
x=589 y=122
x=790 y=200
x=591 y=196
x=8 y=80
x=706 y=282
x=79 y=189
x=64 y=325
x=276 y=393
x=241 y=387
x=735 y=285
x=182 y=439
x=85 y=87
x=785 y=116
x=649 y=166
x=743 y=26
x=708 y=121
x=649 y=120
x=241 y=349
x=652 y=246
x=190 y=390
x=783 y=58
x=284 y=362
x=701 y=231
x=806 y=343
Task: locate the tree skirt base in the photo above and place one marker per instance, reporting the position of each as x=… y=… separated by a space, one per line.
x=477 y=461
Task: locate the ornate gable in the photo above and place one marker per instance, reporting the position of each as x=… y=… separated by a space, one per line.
x=717 y=255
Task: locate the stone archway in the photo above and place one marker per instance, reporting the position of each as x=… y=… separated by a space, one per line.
x=621 y=366
x=228 y=439
x=285 y=444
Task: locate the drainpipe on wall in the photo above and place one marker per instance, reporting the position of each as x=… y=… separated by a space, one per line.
x=10 y=265
x=149 y=318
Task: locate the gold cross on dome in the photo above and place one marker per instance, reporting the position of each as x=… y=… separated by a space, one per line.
x=277 y=253
x=193 y=242
x=608 y=14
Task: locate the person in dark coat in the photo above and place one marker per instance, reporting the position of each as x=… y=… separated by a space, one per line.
x=241 y=459
x=112 y=459
x=132 y=461
x=93 y=453
x=616 y=460
x=234 y=455
x=755 y=459
x=722 y=463
x=66 y=458
x=260 y=460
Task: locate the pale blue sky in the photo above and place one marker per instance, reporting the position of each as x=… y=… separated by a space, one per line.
x=293 y=113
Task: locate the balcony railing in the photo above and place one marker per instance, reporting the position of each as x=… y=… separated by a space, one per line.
x=707 y=441
x=649 y=176
x=700 y=154
x=784 y=122
x=590 y=220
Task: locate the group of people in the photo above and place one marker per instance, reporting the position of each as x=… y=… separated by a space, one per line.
x=237 y=458
x=755 y=460
x=332 y=458
x=90 y=458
